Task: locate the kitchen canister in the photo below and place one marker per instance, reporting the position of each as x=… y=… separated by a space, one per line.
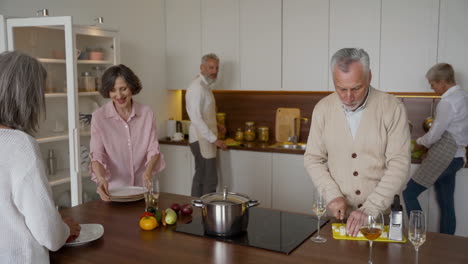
x=87 y=82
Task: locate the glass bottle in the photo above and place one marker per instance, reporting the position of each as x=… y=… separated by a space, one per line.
x=263 y=134
x=249 y=132
x=221 y=120
x=98 y=71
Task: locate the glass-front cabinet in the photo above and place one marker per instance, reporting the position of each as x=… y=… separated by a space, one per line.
x=75 y=58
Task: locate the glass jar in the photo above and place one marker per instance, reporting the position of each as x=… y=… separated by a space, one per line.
x=239 y=135
x=221 y=120
x=87 y=82
x=98 y=71
x=249 y=132
x=263 y=134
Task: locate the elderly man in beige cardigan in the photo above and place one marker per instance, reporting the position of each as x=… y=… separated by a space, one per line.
x=358 y=150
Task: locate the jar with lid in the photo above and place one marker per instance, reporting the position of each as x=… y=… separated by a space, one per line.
x=263 y=134
x=87 y=82
x=249 y=132
x=239 y=134
x=98 y=71
x=221 y=120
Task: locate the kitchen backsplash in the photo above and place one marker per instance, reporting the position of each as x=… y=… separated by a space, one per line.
x=260 y=107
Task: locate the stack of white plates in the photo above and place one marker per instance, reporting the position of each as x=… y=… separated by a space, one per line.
x=127 y=194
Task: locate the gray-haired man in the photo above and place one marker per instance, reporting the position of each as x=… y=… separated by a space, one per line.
x=201 y=108
x=358 y=149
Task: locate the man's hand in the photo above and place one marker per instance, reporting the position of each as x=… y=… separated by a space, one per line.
x=337 y=207
x=103 y=189
x=355 y=221
x=220 y=144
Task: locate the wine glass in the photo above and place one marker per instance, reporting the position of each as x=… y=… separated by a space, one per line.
x=417 y=230
x=372 y=227
x=319 y=207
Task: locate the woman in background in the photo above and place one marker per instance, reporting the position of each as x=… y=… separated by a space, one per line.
x=30 y=225
x=124 y=143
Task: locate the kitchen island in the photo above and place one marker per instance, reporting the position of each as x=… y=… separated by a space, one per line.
x=124 y=242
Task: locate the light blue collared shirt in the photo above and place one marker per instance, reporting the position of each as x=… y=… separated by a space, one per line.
x=354 y=116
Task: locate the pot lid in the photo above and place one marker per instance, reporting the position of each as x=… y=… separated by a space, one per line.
x=224 y=198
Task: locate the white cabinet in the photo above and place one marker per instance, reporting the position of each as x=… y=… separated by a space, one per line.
x=247 y=172
x=183 y=42
x=293 y=189
x=356 y=24
x=305 y=45
x=453 y=38
x=56 y=42
x=177 y=176
x=220 y=35
x=260 y=44
x=408 y=44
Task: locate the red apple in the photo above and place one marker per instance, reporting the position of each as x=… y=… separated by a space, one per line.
x=176 y=207
x=186 y=209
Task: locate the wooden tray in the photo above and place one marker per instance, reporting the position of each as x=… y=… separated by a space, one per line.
x=382 y=238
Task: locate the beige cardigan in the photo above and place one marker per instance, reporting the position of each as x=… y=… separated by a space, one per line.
x=369 y=170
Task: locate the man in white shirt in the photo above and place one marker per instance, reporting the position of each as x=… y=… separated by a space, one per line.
x=201 y=109
x=446 y=140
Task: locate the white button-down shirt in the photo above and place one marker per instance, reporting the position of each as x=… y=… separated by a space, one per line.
x=451 y=116
x=197 y=100
x=354 y=116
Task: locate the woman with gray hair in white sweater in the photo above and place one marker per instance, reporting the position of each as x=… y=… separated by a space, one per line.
x=30 y=225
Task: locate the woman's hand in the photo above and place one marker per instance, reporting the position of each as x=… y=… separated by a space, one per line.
x=74 y=228
x=148 y=180
x=103 y=189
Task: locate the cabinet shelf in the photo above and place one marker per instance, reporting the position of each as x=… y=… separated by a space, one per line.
x=60 y=177
x=85 y=133
x=64 y=95
x=52 y=138
x=59 y=61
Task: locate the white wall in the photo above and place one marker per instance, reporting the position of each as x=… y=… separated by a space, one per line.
x=142 y=31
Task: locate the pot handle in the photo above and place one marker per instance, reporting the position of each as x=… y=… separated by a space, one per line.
x=197 y=203
x=252 y=203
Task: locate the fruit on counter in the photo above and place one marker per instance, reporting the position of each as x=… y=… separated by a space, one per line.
x=413 y=144
x=163 y=218
x=158 y=215
x=148 y=223
x=417 y=154
x=146 y=214
x=176 y=207
x=151 y=210
x=171 y=216
x=186 y=210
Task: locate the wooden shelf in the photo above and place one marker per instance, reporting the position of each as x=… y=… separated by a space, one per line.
x=88 y=93
x=55 y=95
x=52 y=138
x=86 y=133
x=62 y=61
x=49 y=60
x=94 y=62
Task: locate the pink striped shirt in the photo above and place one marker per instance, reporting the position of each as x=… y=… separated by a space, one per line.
x=124 y=148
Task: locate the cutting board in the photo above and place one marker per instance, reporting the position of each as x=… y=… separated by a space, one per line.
x=284 y=123
x=382 y=238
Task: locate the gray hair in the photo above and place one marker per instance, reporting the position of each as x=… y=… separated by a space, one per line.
x=344 y=57
x=441 y=72
x=208 y=56
x=22 y=83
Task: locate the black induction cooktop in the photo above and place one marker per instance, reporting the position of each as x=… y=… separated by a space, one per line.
x=267 y=229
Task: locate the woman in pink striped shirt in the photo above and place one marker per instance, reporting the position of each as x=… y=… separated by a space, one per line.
x=124 y=142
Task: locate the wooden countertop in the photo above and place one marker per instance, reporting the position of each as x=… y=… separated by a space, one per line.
x=124 y=242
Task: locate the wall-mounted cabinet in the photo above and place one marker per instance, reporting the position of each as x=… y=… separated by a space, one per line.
x=183 y=42
x=66 y=51
x=356 y=24
x=408 y=44
x=305 y=45
x=453 y=38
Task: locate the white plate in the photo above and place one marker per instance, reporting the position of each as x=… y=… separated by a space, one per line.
x=88 y=233
x=127 y=192
x=124 y=200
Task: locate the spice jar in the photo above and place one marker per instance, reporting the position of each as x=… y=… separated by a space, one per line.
x=263 y=134
x=249 y=132
x=221 y=120
x=239 y=134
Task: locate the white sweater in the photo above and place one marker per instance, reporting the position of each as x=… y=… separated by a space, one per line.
x=29 y=223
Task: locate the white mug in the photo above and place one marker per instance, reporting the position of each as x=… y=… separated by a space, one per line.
x=178 y=136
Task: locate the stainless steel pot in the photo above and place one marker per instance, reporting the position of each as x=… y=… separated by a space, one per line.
x=225 y=213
